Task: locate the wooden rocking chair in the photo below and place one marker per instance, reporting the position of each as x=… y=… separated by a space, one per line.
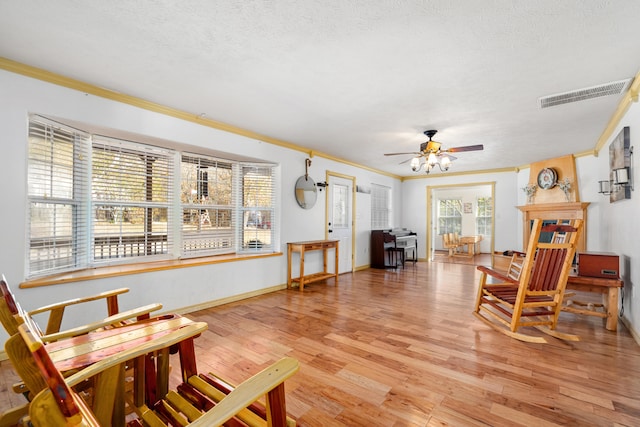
x=52 y=332
x=534 y=298
x=11 y=316
x=201 y=400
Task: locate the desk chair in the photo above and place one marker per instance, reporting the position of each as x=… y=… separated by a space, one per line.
x=534 y=299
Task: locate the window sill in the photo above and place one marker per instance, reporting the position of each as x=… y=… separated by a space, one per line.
x=126 y=269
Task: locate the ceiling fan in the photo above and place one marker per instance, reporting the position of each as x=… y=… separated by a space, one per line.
x=433 y=154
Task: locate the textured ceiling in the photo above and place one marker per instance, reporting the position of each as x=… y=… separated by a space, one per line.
x=353 y=79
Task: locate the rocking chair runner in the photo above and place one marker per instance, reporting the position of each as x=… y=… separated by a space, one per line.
x=535 y=297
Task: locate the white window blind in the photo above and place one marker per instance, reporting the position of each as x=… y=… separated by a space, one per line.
x=57 y=192
x=130 y=188
x=449 y=216
x=256 y=189
x=484 y=213
x=206 y=197
x=96 y=200
x=380 y=207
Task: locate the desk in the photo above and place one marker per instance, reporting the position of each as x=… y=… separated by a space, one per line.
x=609 y=288
x=472 y=242
x=311 y=245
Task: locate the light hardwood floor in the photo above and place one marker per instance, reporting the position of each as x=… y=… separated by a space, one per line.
x=402 y=348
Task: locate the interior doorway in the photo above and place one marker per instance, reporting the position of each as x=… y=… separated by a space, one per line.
x=465 y=217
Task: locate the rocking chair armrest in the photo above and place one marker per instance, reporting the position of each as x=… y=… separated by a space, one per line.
x=63 y=304
x=497 y=274
x=248 y=392
x=188 y=331
x=108 y=321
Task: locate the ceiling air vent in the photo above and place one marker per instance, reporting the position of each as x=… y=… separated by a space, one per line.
x=613 y=88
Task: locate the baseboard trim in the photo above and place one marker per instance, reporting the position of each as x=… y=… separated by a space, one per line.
x=227 y=300
x=632 y=331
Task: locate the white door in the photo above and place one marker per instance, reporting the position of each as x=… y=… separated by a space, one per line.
x=340 y=219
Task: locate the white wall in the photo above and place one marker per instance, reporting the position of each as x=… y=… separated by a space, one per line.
x=179 y=288
x=616 y=224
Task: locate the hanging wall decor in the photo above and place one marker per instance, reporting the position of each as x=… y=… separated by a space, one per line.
x=620 y=161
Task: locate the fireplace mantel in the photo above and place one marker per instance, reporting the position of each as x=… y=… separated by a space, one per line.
x=570 y=210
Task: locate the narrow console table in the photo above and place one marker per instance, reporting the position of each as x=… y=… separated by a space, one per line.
x=609 y=288
x=311 y=245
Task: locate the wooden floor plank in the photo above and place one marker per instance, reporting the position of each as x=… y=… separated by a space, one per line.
x=402 y=348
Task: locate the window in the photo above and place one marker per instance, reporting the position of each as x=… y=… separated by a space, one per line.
x=96 y=200
x=484 y=213
x=449 y=216
x=380 y=207
x=256 y=184
x=130 y=200
x=56 y=212
x=207 y=206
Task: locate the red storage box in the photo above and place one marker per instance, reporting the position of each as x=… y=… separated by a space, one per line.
x=599 y=264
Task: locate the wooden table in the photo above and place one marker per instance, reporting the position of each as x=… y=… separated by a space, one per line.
x=471 y=242
x=609 y=288
x=311 y=245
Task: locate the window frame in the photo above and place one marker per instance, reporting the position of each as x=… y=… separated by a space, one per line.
x=86 y=205
x=381 y=207
x=484 y=213
x=449 y=216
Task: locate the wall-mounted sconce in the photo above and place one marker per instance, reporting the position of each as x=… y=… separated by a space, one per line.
x=624 y=176
x=605 y=187
x=620 y=183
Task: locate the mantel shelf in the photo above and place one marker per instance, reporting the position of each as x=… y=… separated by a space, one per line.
x=551 y=211
x=554 y=207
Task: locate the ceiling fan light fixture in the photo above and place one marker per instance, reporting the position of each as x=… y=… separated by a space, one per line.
x=445 y=162
x=415 y=164
x=432 y=159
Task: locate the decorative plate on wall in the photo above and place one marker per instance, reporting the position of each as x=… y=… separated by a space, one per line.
x=547 y=178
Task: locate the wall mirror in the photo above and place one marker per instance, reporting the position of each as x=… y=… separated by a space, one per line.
x=306 y=192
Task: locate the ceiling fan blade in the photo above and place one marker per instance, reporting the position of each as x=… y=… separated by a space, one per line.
x=408 y=160
x=467 y=148
x=399 y=154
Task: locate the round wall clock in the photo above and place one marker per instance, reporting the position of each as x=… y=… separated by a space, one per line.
x=547 y=178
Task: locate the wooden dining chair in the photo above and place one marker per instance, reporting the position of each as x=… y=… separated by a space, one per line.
x=534 y=298
x=449 y=243
x=200 y=400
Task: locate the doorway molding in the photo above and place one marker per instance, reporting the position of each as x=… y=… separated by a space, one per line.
x=430 y=212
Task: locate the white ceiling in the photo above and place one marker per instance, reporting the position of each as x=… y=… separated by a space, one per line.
x=351 y=78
